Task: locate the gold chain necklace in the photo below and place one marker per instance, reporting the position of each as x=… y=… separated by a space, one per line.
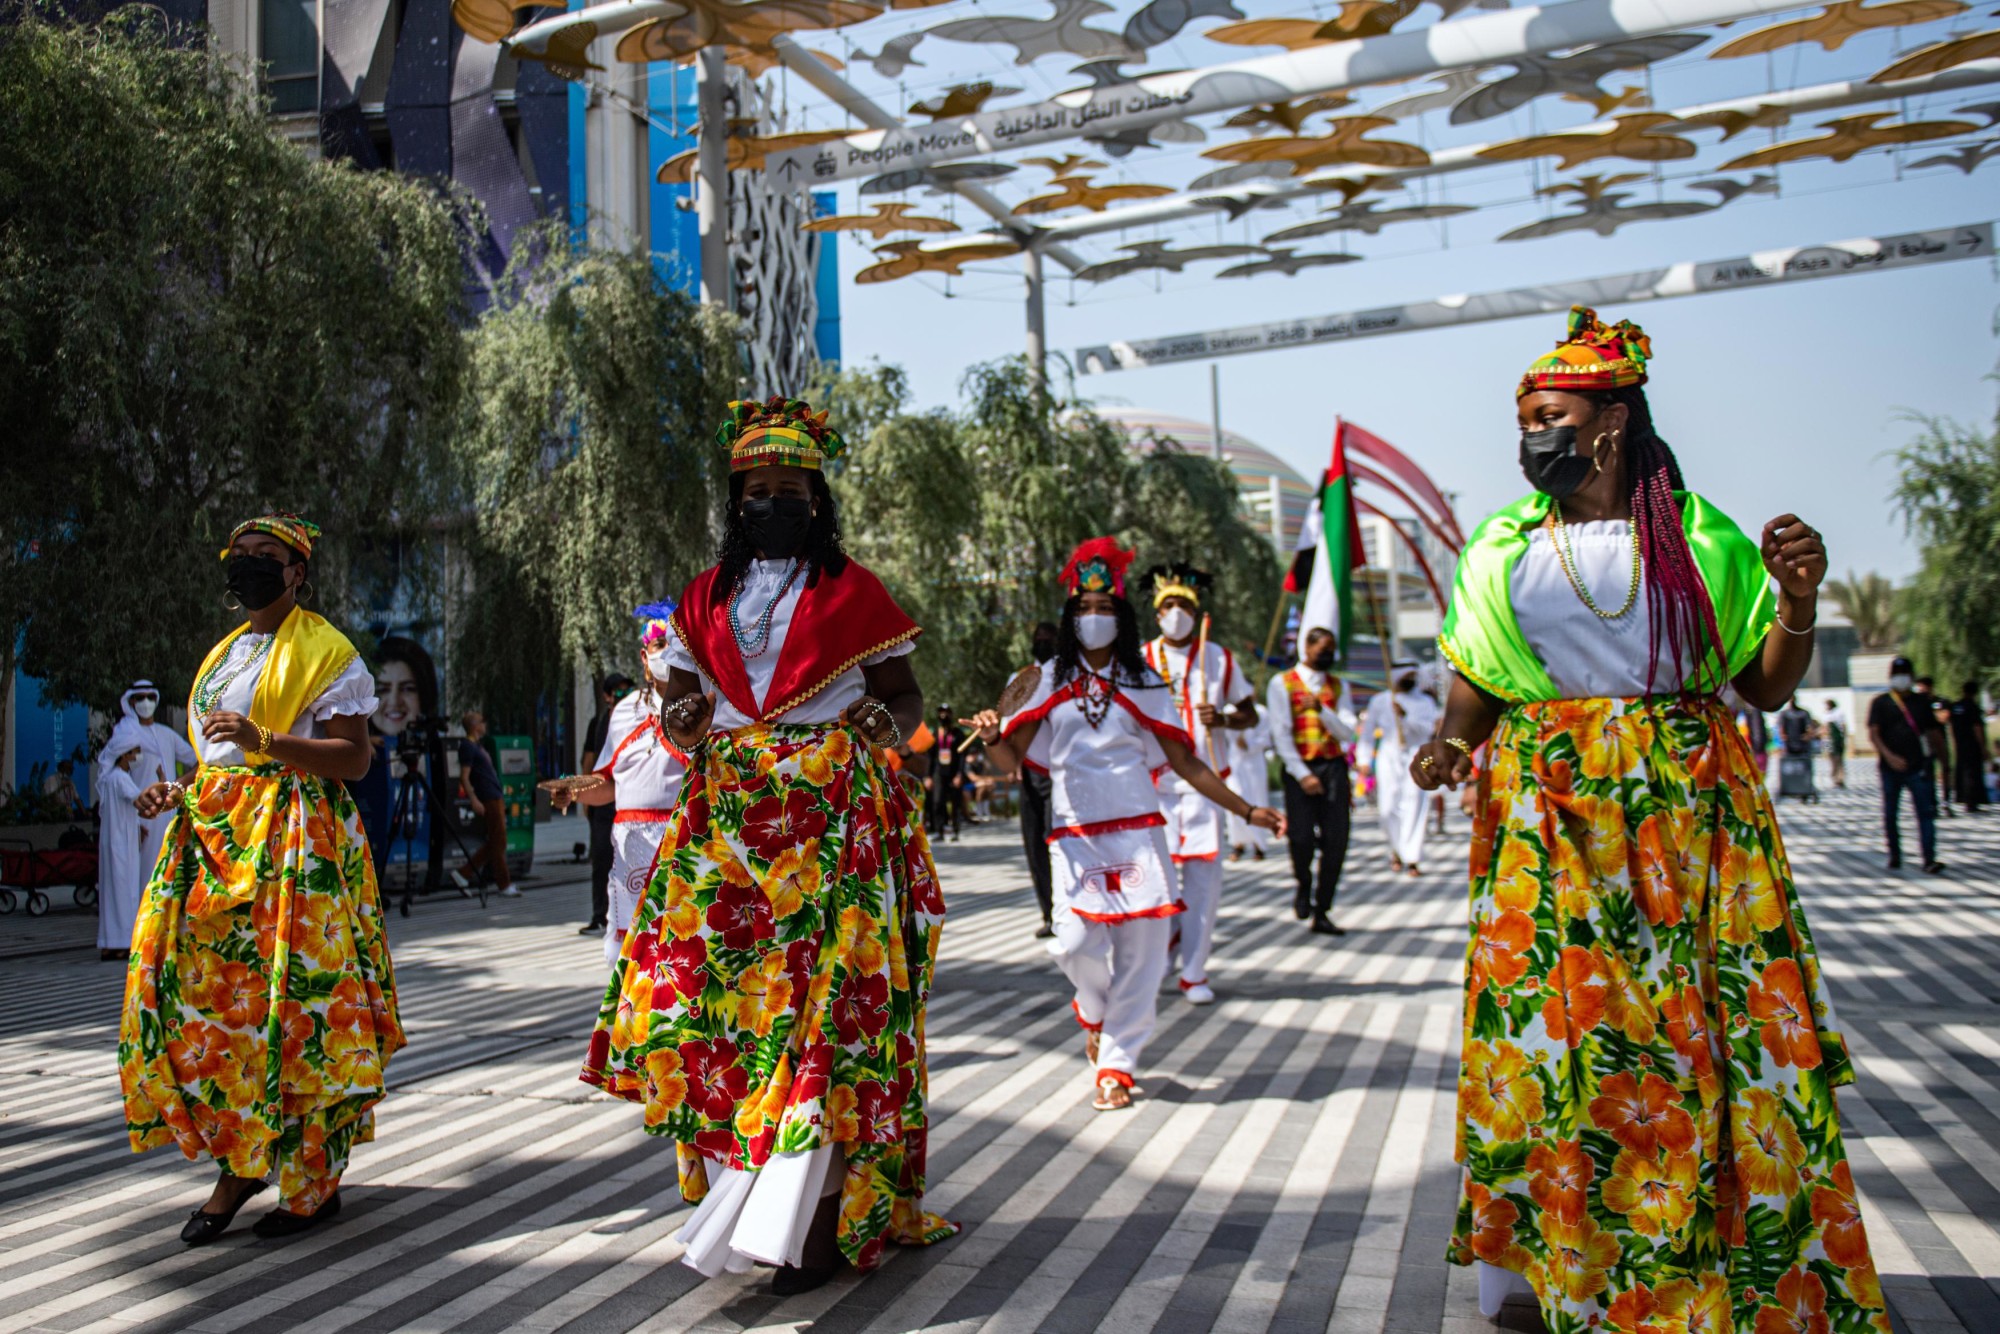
x=1559 y=539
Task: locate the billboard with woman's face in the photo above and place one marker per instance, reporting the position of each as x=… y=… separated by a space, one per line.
x=405 y=686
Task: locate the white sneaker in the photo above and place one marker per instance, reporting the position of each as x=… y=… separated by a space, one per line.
x=1199 y=994
x=510 y=893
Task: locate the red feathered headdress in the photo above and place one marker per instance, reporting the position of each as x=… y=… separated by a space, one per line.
x=1098 y=566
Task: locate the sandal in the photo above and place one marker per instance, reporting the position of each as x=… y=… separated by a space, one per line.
x=203 y=1227
x=1112 y=1095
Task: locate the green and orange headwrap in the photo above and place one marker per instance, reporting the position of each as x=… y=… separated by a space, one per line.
x=296 y=533
x=1593 y=357
x=781 y=431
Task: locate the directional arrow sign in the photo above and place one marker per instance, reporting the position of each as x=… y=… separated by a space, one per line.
x=1871 y=254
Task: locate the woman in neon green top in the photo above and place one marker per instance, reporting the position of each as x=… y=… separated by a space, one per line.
x=1647 y=1120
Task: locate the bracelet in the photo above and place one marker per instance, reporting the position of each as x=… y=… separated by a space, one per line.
x=263 y=738
x=1458 y=744
x=177 y=790
x=1788 y=629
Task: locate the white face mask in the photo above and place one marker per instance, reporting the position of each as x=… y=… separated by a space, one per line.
x=1177 y=622
x=1096 y=630
x=1901 y=681
x=144 y=707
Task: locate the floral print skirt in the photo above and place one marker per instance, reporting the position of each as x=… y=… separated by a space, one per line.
x=770 y=994
x=1646 y=1106
x=260 y=1005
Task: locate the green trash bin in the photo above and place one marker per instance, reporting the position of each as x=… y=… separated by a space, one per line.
x=514 y=757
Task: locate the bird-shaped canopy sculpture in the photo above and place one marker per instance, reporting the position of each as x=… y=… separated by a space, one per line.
x=885 y=220
x=745 y=28
x=1289 y=116
x=1146 y=256
x=489 y=20
x=1072 y=175
x=1967 y=159
x=1602 y=209
x=1288 y=262
x=1342 y=144
x=1603 y=104
x=1065 y=31
x=745 y=152
x=961 y=99
x=1832 y=26
x=1940 y=56
x=942 y=179
x=905 y=258
x=1369 y=217
x=1161 y=21
x=1450 y=87
x=1848 y=135
x=1733 y=123
x=1578 y=72
x=1641 y=138
x=894 y=57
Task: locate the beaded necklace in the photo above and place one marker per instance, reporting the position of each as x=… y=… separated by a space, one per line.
x=1094 y=698
x=1559 y=538
x=208 y=690
x=753 y=643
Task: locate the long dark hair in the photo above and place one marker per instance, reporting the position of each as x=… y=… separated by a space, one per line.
x=1128 y=667
x=1681 y=616
x=822 y=551
x=397 y=648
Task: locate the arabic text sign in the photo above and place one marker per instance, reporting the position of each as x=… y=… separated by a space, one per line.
x=1867 y=255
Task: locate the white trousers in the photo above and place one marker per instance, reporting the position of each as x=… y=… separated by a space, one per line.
x=1116 y=969
x=1401 y=804
x=1194 y=930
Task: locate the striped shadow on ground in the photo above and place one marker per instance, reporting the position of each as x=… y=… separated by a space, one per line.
x=1287 y=1169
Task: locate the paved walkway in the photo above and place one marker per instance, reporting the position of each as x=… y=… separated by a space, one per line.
x=1288 y=1170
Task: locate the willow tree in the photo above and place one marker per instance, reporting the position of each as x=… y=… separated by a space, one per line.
x=1949 y=495
x=594 y=478
x=197 y=322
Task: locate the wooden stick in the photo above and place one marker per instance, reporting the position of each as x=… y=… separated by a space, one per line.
x=1200 y=663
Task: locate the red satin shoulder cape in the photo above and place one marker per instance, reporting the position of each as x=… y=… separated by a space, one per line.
x=840 y=619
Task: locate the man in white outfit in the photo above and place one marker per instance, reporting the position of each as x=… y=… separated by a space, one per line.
x=165 y=757
x=1398 y=721
x=1213 y=703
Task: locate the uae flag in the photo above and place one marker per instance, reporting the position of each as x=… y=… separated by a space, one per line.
x=1329 y=549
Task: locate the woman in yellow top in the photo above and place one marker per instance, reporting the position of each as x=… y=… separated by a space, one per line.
x=1646 y=1093
x=260 y=1010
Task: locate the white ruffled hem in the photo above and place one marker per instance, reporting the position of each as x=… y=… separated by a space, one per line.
x=748 y=1218
x=1496 y=1285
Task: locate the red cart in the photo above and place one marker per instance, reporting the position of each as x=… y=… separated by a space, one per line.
x=31 y=872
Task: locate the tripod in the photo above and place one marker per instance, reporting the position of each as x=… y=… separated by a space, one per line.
x=415 y=781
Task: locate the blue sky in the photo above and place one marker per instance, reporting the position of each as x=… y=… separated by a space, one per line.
x=1787 y=398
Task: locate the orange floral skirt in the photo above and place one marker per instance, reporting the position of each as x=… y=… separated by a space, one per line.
x=1646 y=1108
x=260 y=1007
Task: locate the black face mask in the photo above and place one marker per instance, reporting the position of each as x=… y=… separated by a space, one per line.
x=1550 y=462
x=1044 y=649
x=778 y=525
x=257 y=581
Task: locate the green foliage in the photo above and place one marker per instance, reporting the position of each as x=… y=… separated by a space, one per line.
x=1868 y=601
x=592 y=397
x=1949 y=497
x=197 y=323
x=968 y=516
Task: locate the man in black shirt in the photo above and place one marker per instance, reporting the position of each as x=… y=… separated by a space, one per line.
x=947 y=772
x=1968 y=748
x=482 y=786
x=1897 y=733
x=1925 y=704
x=612 y=689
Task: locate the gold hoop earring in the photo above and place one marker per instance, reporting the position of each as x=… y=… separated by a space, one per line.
x=306 y=590
x=229 y=601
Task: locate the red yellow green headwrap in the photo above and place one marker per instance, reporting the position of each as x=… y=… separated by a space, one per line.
x=1098 y=566
x=783 y=431
x=296 y=533
x=1593 y=357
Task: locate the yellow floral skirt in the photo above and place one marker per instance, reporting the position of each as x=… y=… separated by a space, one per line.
x=1646 y=1108
x=260 y=1006
x=771 y=992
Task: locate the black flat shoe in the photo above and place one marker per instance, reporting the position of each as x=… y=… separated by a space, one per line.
x=1044 y=931
x=203 y=1227
x=1302 y=904
x=1323 y=926
x=593 y=929
x=791 y=1280
x=285 y=1223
